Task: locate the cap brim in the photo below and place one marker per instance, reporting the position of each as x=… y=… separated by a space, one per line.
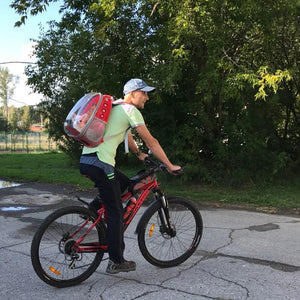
x=148 y=89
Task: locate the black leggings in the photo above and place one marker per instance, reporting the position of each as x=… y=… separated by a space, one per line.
x=110 y=187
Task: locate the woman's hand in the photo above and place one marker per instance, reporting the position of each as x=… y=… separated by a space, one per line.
x=174 y=169
x=142 y=156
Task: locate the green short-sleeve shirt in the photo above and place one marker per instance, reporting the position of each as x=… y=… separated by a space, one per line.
x=122 y=117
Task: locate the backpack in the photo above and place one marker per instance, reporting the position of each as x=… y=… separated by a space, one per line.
x=87 y=119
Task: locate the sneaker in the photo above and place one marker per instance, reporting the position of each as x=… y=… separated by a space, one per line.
x=125 y=266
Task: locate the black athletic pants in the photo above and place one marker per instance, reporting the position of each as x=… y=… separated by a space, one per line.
x=110 y=186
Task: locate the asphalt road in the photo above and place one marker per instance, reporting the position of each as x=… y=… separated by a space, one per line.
x=242 y=255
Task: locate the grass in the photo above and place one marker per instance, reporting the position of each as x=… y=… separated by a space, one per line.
x=47 y=167
x=57 y=168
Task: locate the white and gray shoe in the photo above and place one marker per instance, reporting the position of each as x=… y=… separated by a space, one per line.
x=125 y=266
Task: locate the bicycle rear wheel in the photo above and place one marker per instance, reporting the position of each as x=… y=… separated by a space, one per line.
x=53 y=254
x=167 y=248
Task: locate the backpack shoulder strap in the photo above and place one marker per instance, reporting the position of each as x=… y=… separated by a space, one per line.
x=119 y=101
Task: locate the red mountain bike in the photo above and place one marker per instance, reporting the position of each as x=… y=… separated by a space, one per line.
x=70 y=243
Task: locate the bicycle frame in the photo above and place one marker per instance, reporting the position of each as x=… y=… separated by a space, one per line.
x=145 y=190
x=70 y=244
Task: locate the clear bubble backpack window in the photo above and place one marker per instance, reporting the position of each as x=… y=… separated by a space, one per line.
x=87 y=120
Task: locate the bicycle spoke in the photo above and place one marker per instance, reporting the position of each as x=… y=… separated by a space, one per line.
x=164 y=246
x=54 y=256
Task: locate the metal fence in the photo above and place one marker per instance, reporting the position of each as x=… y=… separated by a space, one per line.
x=26 y=142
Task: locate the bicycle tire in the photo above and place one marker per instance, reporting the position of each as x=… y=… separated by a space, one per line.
x=52 y=253
x=158 y=247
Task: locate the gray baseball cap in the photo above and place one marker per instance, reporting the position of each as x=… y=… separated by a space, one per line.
x=137 y=84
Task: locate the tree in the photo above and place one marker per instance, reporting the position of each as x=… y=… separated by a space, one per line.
x=6 y=89
x=13 y=118
x=26 y=119
x=227 y=74
x=36 y=115
x=3 y=121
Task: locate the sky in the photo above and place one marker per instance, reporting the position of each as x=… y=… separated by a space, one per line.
x=16 y=45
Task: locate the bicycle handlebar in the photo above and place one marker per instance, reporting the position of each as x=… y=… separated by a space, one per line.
x=160 y=166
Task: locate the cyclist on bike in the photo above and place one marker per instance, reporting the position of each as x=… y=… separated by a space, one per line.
x=99 y=165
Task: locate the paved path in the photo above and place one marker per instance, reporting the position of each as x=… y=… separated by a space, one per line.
x=242 y=255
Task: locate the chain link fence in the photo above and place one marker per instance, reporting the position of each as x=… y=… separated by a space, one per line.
x=26 y=142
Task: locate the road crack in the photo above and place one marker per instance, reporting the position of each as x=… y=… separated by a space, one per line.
x=157 y=287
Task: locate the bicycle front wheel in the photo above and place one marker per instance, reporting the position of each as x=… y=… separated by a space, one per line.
x=163 y=247
x=53 y=253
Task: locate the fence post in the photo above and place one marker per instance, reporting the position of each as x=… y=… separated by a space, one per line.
x=40 y=141
x=22 y=141
x=26 y=142
x=11 y=142
x=6 y=143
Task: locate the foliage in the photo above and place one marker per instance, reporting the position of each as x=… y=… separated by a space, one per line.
x=53 y=167
x=12 y=119
x=26 y=119
x=19 y=119
x=7 y=82
x=227 y=73
x=3 y=121
x=263 y=80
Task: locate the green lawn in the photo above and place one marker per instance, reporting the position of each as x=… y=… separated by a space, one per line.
x=57 y=168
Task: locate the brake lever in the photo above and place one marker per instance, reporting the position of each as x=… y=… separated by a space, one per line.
x=163 y=168
x=151 y=163
x=148 y=161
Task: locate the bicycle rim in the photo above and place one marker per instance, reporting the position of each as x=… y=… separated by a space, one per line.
x=53 y=253
x=162 y=249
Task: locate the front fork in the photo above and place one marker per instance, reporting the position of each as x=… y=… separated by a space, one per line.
x=166 y=226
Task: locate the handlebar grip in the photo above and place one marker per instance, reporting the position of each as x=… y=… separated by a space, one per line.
x=178 y=172
x=148 y=161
